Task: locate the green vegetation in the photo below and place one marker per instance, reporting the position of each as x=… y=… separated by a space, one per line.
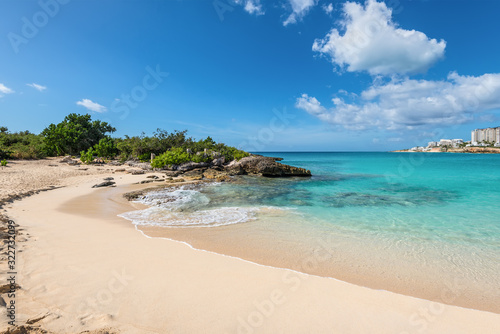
x=87 y=156
x=175 y=156
x=106 y=148
x=21 y=145
x=74 y=134
x=3 y=163
x=78 y=134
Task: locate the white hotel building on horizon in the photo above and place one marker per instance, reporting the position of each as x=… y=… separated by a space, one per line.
x=488 y=134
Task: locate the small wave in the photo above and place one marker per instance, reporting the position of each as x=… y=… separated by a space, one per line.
x=186 y=206
x=161 y=217
x=180 y=199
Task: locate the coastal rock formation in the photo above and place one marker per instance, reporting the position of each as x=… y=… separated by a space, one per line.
x=191 y=165
x=265 y=166
x=136 y=164
x=104 y=184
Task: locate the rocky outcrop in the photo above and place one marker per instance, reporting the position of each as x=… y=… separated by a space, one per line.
x=265 y=166
x=216 y=175
x=136 y=164
x=191 y=165
x=104 y=184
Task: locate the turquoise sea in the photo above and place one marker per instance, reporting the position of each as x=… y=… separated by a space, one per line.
x=414 y=223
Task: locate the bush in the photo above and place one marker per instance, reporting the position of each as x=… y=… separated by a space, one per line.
x=21 y=145
x=4 y=154
x=176 y=156
x=141 y=147
x=3 y=163
x=87 y=157
x=145 y=157
x=74 y=134
x=106 y=148
x=201 y=157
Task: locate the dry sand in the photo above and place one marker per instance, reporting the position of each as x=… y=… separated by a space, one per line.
x=83 y=268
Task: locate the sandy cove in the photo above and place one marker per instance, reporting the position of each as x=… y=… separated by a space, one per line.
x=83 y=268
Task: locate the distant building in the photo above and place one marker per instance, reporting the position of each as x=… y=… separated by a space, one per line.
x=456 y=142
x=433 y=144
x=445 y=142
x=485 y=135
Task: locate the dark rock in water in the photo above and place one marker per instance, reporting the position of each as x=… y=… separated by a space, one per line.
x=104 y=184
x=265 y=166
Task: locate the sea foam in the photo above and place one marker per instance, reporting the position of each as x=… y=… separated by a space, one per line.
x=184 y=207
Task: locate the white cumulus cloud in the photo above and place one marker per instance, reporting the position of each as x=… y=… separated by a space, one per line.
x=5 y=90
x=37 y=86
x=328 y=8
x=299 y=9
x=407 y=103
x=92 y=105
x=251 y=6
x=372 y=42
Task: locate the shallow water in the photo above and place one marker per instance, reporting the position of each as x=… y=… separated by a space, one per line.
x=418 y=219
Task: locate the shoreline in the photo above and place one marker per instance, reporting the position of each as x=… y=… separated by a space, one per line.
x=470 y=150
x=343 y=261
x=51 y=280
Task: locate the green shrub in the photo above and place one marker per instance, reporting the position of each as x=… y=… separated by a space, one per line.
x=175 y=156
x=4 y=154
x=74 y=134
x=21 y=145
x=106 y=148
x=87 y=157
x=201 y=157
x=3 y=163
x=145 y=157
x=232 y=153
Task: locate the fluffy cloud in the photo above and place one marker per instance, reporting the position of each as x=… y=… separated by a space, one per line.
x=407 y=103
x=372 y=42
x=251 y=6
x=328 y=8
x=37 y=86
x=92 y=105
x=299 y=10
x=5 y=90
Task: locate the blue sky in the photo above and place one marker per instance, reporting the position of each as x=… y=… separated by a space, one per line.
x=290 y=75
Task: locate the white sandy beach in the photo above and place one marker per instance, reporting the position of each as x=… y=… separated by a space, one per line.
x=82 y=268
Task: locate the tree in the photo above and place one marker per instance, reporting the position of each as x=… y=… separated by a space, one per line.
x=74 y=134
x=106 y=148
